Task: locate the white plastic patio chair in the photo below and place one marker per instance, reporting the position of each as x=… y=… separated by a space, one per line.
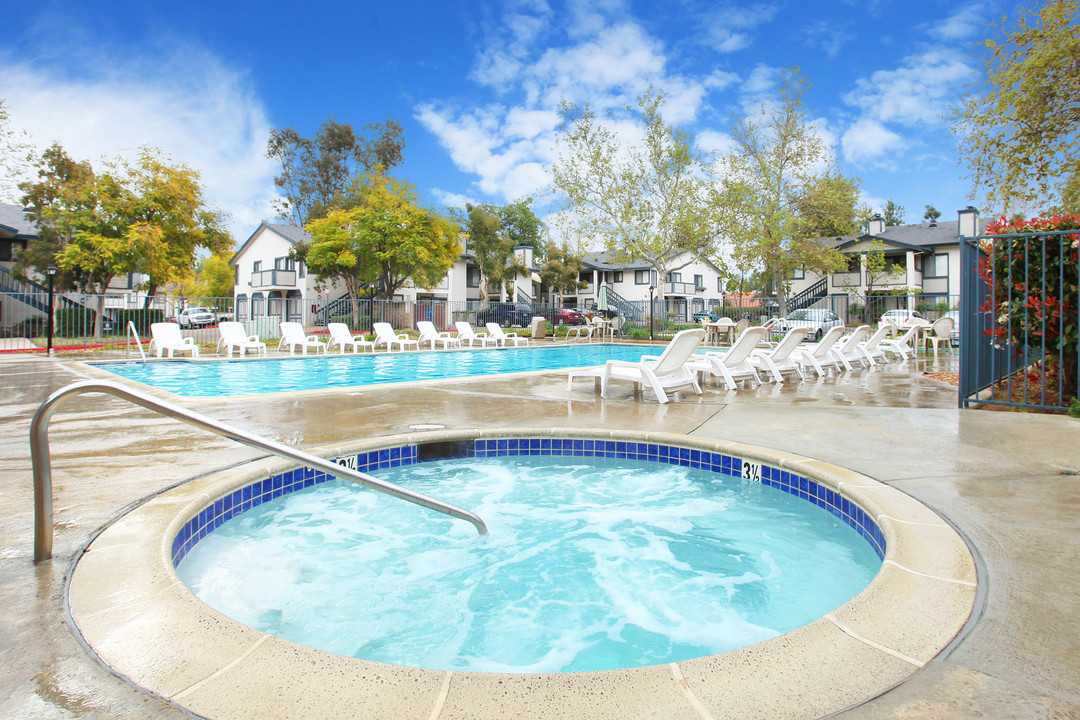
x=503 y=337
x=293 y=336
x=778 y=361
x=385 y=335
x=342 y=337
x=821 y=354
x=430 y=334
x=733 y=366
x=233 y=335
x=166 y=337
x=941 y=331
x=469 y=336
x=662 y=373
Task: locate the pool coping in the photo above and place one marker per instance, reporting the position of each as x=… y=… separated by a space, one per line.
x=140 y=621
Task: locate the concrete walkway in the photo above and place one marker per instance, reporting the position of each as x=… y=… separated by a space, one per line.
x=1007 y=481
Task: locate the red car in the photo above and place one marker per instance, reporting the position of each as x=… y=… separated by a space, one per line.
x=565 y=316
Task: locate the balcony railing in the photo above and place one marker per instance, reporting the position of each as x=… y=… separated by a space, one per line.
x=273 y=278
x=682 y=288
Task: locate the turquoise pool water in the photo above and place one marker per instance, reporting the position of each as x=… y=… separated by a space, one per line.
x=591 y=564
x=203 y=379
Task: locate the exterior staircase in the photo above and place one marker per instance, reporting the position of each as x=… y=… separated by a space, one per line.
x=809 y=296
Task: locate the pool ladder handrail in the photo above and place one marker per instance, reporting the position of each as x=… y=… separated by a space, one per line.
x=39 y=453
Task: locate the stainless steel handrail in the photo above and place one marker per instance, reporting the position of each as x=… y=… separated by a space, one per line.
x=39 y=453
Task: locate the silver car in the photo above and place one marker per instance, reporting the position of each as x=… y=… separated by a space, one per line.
x=196 y=317
x=817 y=321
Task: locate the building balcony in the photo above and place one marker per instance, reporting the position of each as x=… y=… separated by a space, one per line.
x=273 y=278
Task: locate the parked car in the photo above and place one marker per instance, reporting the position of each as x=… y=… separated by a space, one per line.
x=817 y=321
x=901 y=318
x=196 y=317
x=709 y=315
x=506 y=314
x=565 y=316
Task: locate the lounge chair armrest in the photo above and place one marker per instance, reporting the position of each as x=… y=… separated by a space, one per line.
x=622 y=363
x=647 y=358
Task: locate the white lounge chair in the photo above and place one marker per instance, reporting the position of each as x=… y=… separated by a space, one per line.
x=849 y=349
x=503 y=337
x=778 y=361
x=429 y=333
x=872 y=347
x=166 y=337
x=733 y=366
x=293 y=336
x=385 y=335
x=342 y=337
x=233 y=335
x=821 y=354
x=467 y=335
x=902 y=345
x=664 y=373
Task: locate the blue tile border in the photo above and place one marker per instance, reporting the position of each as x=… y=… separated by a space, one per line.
x=258 y=492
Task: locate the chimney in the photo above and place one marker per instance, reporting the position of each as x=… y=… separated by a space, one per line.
x=969 y=222
x=876 y=225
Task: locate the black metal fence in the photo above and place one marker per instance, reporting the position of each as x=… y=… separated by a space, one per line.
x=76 y=326
x=1019 y=339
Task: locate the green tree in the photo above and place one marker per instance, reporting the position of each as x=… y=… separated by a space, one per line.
x=647 y=201
x=385 y=237
x=146 y=217
x=893 y=213
x=561 y=270
x=932 y=214
x=1018 y=129
x=828 y=206
x=768 y=187
x=521 y=227
x=492 y=248
x=878 y=270
x=213 y=278
x=316 y=172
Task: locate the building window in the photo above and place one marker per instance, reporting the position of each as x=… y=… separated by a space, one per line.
x=641 y=277
x=256 y=266
x=284 y=263
x=617 y=276
x=719 y=284
x=798 y=274
x=936 y=266
x=854 y=263
x=301 y=270
x=674 y=277
x=472 y=277
x=699 y=282
x=236 y=275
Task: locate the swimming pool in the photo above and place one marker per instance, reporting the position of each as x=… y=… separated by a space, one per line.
x=593 y=562
x=245 y=377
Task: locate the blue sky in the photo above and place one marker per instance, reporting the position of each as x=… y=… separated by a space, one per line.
x=476 y=84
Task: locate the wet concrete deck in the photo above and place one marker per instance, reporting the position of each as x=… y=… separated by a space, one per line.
x=1005 y=480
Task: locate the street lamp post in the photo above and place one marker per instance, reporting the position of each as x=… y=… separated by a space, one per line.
x=51 y=272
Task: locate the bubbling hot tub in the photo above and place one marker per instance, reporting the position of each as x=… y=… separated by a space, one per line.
x=146 y=625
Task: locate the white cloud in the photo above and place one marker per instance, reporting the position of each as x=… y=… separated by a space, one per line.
x=828 y=35
x=184 y=102
x=964 y=23
x=730 y=29
x=918 y=92
x=867 y=139
x=604 y=60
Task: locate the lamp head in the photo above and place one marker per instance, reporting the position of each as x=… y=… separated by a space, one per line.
x=52 y=270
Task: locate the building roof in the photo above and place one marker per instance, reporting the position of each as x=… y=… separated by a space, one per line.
x=292 y=233
x=922 y=237
x=14 y=224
